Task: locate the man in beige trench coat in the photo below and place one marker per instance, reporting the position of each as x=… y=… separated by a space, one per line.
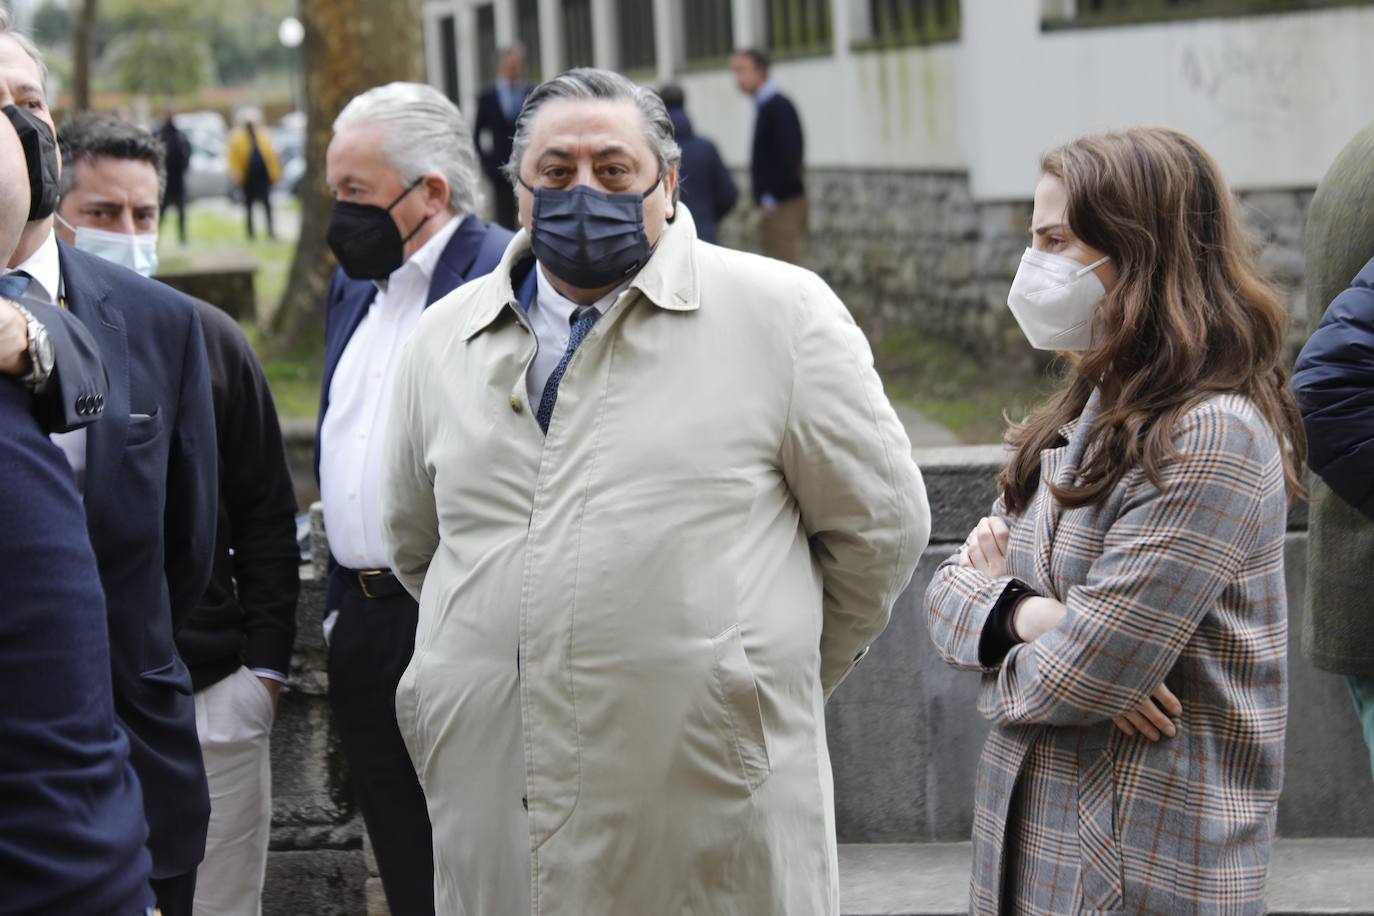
x=654 y=506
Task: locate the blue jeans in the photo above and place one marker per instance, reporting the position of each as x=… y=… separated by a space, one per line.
x=1362 y=691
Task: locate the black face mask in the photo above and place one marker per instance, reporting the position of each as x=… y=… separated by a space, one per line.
x=365 y=240
x=589 y=238
x=40 y=154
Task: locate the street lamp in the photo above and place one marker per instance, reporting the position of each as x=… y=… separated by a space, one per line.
x=291 y=33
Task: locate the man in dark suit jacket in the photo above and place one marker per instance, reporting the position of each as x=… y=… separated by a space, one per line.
x=708 y=189
x=498 y=106
x=147 y=473
x=71 y=825
x=237 y=642
x=776 y=165
x=403 y=170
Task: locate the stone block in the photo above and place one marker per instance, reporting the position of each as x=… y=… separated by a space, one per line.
x=321 y=882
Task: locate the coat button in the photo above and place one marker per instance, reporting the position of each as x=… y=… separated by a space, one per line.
x=516 y=404
x=81 y=404
x=100 y=402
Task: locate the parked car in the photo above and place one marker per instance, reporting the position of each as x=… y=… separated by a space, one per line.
x=207 y=175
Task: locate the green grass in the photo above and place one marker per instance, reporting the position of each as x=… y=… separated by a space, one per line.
x=954 y=389
x=217 y=237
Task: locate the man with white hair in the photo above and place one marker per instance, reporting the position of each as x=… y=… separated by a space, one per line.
x=404 y=175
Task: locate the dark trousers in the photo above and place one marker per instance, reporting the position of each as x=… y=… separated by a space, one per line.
x=369 y=650
x=175 y=895
x=258 y=194
x=175 y=196
x=503 y=205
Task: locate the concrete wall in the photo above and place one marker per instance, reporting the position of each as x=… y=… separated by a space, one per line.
x=904 y=733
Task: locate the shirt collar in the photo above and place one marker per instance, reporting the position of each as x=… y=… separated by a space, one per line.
x=45 y=267
x=427 y=257
x=766 y=92
x=550 y=298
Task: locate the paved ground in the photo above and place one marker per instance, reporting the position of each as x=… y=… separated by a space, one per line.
x=1310 y=876
x=923 y=431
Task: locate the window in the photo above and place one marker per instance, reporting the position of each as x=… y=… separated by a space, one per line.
x=895 y=23
x=448 y=57
x=1130 y=12
x=636 y=23
x=577 y=34
x=709 y=30
x=797 y=27
x=527 y=31
x=486 y=44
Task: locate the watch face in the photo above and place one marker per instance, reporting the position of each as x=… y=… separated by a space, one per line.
x=42 y=350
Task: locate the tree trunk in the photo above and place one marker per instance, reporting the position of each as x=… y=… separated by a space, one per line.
x=350 y=46
x=83 y=48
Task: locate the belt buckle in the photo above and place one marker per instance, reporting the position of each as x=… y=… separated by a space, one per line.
x=363 y=576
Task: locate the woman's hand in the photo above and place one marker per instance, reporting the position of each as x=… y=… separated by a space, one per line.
x=986 y=548
x=1149 y=718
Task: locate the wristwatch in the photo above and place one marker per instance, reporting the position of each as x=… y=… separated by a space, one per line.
x=40 y=352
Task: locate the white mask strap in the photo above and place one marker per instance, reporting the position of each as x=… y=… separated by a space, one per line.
x=1094 y=265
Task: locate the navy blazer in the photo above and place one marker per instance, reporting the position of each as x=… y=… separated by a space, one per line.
x=71 y=824
x=1334 y=383
x=76 y=390
x=151 y=502
x=491 y=118
x=779 y=150
x=474 y=251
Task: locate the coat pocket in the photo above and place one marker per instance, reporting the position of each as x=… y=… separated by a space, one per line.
x=1098 y=840
x=739 y=696
x=144 y=427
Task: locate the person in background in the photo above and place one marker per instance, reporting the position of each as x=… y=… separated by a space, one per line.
x=147 y=473
x=237 y=642
x=777 y=160
x=655 y=507
x=253 y=165
x=1125 y=600
x=177 y=156
x=498 y=106
x=405 y=180
x=1334 y=383
x=72 y=832
x=708 y=189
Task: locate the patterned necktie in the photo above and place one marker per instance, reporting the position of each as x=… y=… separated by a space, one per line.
x=14 y=285
x=582 y=321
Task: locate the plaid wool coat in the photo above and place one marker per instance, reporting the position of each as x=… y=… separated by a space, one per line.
x=1183 y=584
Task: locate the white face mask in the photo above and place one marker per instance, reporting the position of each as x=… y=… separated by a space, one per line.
x=1054 y=299
x=136 y=252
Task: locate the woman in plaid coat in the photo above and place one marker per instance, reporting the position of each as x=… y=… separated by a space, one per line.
x=1125 y=599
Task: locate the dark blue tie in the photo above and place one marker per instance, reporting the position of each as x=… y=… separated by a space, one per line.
x=582 y=321
x=14 y=285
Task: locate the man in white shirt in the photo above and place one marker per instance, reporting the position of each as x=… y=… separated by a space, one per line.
x=405 y=179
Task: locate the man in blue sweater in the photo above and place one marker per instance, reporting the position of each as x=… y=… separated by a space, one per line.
x=776 y=165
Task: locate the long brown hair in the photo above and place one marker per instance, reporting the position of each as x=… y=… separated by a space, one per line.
x=1191 y=316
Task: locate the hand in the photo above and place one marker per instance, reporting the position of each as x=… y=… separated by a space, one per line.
x=273 y=690
x=1035 y=616
x=1149 y=718
x=14 y=340
x=986 y=548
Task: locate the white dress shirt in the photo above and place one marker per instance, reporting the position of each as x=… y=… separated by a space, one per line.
x=355 y=423
x=550 y=317
x=45 y=267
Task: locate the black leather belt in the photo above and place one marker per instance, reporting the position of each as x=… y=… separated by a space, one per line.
x=373 y=583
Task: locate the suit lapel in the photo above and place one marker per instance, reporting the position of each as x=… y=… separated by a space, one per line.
x=451 y=271
x=88 y=299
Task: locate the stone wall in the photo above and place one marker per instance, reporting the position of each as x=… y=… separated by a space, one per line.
x=914 y=251
x=903 y=731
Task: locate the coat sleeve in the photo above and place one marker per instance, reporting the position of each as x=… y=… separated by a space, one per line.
x=262 y=516
x=75 y=394
x=1166 y=558
x=958 y=602
x=1334 y=383
x=847 y=461
x=192 y=509
x=410 y=519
